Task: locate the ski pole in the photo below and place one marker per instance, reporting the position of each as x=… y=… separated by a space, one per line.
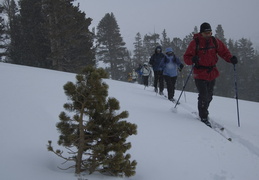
x=184 y=91
x=235 y=76
x=184 y=86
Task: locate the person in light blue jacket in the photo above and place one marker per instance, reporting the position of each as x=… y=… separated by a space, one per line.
x=170 y=66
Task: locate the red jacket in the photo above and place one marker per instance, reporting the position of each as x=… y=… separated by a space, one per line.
x=208 y=57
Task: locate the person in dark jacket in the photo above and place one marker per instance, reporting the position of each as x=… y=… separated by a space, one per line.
x=170 y=66
x=202 y=54
x=155 y=61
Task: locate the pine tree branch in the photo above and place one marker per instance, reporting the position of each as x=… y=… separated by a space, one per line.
x=66 y=168
x=71 y=151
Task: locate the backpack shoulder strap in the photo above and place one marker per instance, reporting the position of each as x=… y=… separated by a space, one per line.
x=215 y=42
x=197 y=45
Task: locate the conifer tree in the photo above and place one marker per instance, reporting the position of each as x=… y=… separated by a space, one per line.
x=226 y=70
x=255 y=78
x=246 y=69
x=13 y=32
x=95 y=130
x=139 y=57
x=128 y=66
x=186 y=41
x=150 y=42
x=110 y=46
x=2 y=33
x=34 y=43
x=71 y=42
x=220 y=34
x=176 y=44
x=165 y=42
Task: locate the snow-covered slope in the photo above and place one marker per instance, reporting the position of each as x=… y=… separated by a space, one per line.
x=169 y=144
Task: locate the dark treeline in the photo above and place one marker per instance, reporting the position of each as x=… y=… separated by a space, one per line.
x=55 y=34
x=49 y=34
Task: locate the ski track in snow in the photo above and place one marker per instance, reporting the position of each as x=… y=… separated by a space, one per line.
x=252 y=148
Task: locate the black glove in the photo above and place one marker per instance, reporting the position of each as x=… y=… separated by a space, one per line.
x=181 y=67
x=195 y=59
x=233 y=60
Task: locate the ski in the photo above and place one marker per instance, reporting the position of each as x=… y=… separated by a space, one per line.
x=220 y=129
x=175 y=102
x=162 y=95
x=215 y=126
x=165 y=96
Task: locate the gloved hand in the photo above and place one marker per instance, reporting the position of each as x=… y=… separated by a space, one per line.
x=233 y=60
x=181 y=67
x=195 y=59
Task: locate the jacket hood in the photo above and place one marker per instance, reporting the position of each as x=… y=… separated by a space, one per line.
x=158 y=47
x=169 y=50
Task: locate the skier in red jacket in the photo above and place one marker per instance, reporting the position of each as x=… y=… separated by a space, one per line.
x=202 y=54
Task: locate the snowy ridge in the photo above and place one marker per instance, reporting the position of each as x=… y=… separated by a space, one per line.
x=168 y=145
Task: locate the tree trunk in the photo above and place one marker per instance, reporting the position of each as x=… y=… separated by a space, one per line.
x=81 y=143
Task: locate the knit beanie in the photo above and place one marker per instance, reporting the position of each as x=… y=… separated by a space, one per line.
x=205 y=27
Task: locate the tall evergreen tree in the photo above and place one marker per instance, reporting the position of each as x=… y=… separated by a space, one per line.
x=186 y=41
x=223 y=88
x=110 y=46
x=255 y=78
x=231 y=46
x=246 y=69
x=165 y=42
x=2 y=33
x=34 y=43
x=129 y=65
x=139 y=56
x=150 y=42
x=96 y=132
x=189 y=38
x=220 y=34
x=13 y=32
x=71 y=42
x=177 y=44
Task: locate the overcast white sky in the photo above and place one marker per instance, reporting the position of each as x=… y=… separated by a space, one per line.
x=238 y=18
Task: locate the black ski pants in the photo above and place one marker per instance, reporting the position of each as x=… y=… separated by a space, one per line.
x=170 y=84
x=159 y=78
x=205 y=89
x=145 y=80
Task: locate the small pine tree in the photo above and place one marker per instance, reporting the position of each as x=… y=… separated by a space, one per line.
x=95 y=136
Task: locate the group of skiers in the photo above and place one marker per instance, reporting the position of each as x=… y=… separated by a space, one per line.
x=202 y=53
x=165 y=67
